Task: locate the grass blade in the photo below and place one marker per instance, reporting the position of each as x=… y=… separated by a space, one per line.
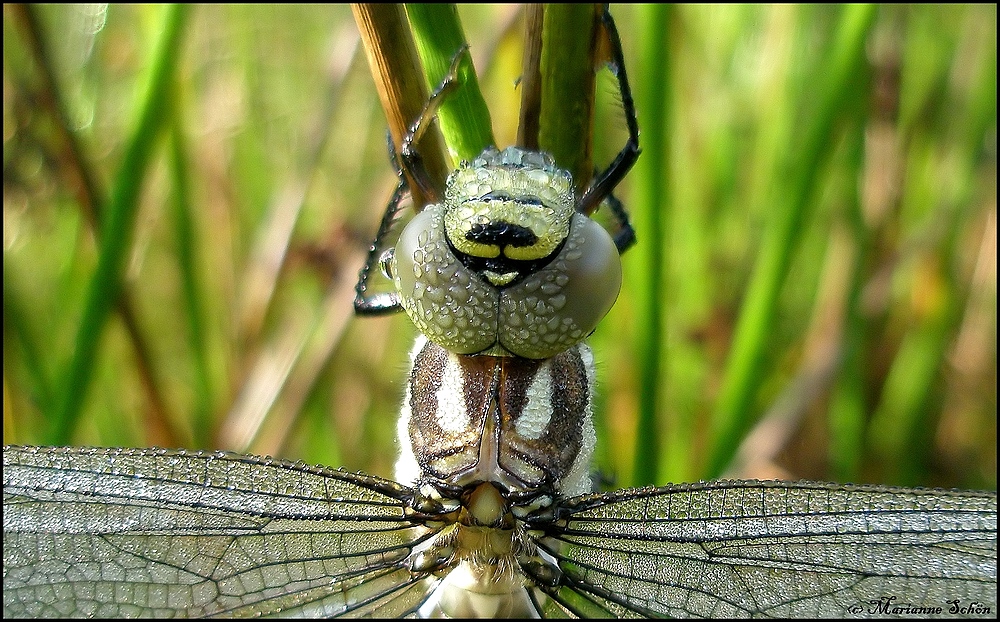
x=402 y=88
x=733 y=413
x=463 y=116
x=119 y=218
x=648 y=261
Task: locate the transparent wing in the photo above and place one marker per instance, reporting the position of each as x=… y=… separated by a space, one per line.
x=737 y=549
x=141 y=532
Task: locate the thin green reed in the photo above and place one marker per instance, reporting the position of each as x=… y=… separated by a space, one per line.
x=648 y=263
x=566 y=67
x=118 y=220
x=847 y=411
x=793 y=204
x=190 y=265
x=463 y=116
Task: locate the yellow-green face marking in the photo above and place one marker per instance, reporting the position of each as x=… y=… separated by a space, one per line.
x=523 y=191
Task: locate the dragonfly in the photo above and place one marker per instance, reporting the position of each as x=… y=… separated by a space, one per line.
x=490 y=512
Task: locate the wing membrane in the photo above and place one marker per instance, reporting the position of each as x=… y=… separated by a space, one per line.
x=727 y=549
x=101 y=532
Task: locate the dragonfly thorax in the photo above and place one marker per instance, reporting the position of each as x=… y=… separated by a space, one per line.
x=522 y=424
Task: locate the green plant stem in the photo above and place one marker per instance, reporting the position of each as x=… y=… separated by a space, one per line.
x=463 y=116
x=118 y=223
x=188 y=261
x=847 y=405
x=744 y=369
x=651 y=218
x=567 y=65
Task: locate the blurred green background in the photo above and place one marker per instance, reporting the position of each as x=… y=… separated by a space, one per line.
x=813 y=293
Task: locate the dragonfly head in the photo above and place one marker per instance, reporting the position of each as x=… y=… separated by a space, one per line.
x=505 y=265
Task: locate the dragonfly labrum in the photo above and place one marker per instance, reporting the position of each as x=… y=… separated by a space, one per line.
x=491 y=511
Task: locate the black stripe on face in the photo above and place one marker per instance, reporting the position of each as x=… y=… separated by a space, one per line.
x=501 y=234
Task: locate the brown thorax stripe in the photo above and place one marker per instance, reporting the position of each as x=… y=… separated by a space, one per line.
x=459 y=435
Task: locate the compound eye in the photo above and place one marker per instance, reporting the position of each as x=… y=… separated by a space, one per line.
x=559 y=306
x=441 y=296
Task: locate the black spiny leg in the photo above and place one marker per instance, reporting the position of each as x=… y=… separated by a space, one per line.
x=389 y=302
x=625 y=236
x=605 y=183
x=383 y=302
x=411 y=159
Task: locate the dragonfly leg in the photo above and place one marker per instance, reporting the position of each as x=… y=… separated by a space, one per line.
x=411 y=158
x=605 y=183
x=381 y=303
x=625 y=236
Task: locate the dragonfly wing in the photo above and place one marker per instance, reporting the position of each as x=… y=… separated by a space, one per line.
x=113 y=533
x=738 y=549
